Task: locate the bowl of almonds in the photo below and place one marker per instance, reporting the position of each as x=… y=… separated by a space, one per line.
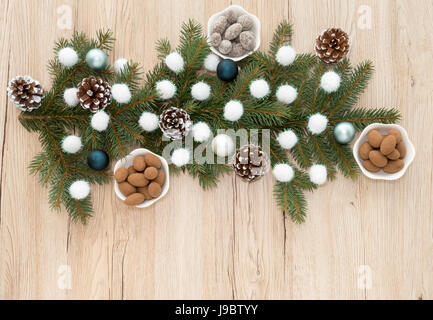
x=384 y=151
x=141 y=178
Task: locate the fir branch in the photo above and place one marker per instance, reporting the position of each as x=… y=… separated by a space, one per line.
x=282 y=36
x=362 y=117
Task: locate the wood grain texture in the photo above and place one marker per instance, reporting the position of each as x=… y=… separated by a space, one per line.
x=231 y=242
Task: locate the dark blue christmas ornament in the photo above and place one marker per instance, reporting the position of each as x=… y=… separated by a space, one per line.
x=227 y=70
x=98 y=160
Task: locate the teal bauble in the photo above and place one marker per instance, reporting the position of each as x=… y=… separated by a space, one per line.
x=98 y=160
x=344 y=132
x=96 y=59
x=227 y=70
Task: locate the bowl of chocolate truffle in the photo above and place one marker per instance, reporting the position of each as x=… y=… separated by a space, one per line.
x=233 y=33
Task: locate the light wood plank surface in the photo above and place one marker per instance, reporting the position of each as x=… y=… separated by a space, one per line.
x=231 y=242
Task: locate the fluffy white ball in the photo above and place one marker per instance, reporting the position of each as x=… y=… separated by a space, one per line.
x=201 y=132
x=283 y=172
x=330 y=81
x=70 y=97
x=120 y=64
x=79 y=190
x=285 y=55
x=200 y=91
x=233 y=110
x=317 y=123
x=287 y=139
x=222 y=145
x=71 y=144
x=148 y=121
x=211 y=62
x=174 y=62
x=121 y=93
x=259 y=88
x=100 y=121
x=180 y=157
x=318 y=174
x=166 y=89
x=286 y=94
x=67 y=56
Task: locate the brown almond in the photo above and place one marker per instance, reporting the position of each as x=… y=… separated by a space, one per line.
x=145 y=192
x=126 y=189
x=364 y=150
x=394 y=166
x=377 y=158
x=139 y=163
x=154 y=189
x=370 y=166
x=151 y=173
x=138 y=180
x=160 y=179
x=396 y=133
x=134 y=199
x=394 y=155
x=121 y=174
x=131 y=170
x=388 y=145
x=401 y=147
x=375 y=138
x=152 y=161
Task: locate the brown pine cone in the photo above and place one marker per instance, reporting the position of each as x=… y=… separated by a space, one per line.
x=332 y=45
x=26 y=93
x=250 y=162
x=175 y=123
x=94 y=93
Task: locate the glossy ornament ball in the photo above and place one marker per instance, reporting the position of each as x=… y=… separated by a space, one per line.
x=344 y=132
x=96 y=59
x=98 y=160
x=227 y=70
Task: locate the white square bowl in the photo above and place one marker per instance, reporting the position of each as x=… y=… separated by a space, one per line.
x=127 y=162
x=383 y=129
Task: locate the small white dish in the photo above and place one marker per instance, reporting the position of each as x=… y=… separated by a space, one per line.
x=384 y=128
x=127 y=162
x=255 y=29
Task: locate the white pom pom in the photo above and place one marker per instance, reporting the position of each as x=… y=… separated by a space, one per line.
x=174 y=62
x=200 y=91
x=100 y=121
x=148 y=121
x=120 y=64
x=71 y=144
x=180 y=157
x=318 y=174
x=67 y=56
x=121 y=93
x=283 y=172
x=70 y=97
x=286 y=94
x=285 y=55
x=166 y=89
x=287 y=139
x=79 y=190
x=201 y=132
x=317 y=123
x=330 y=81
x=233 y=110
x=222 y=145
x=211 y=62
x=259 y=88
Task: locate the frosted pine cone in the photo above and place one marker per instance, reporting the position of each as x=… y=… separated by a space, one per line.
x=94 y=93
x=250 y=162
x=26 y=93
x=332 y=45
x=175 y=123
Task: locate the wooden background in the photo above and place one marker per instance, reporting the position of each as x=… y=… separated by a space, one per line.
x=232 y=242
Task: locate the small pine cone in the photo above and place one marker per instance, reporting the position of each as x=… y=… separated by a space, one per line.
x=250 y=162
x=175 y=123
x=26 y=93
x=332 y=45
x=94 y=93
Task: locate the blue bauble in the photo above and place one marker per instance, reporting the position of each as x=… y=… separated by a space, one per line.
x=344 y=132
x=98 y=160
x=227 y=70
x=96 y=59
